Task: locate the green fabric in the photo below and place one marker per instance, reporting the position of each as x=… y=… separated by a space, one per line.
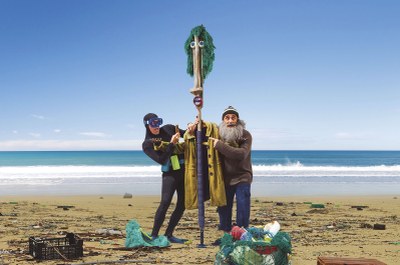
x=208 y=55
x=243 y=252
x=215 y=176
x=135 y=237
x=244 y=255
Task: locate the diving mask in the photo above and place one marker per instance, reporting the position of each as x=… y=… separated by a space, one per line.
x=155 y=122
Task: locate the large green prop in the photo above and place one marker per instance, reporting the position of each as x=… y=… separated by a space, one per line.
x=207 y=51
x=200 y=50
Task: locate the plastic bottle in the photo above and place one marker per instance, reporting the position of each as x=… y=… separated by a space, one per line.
x=272 y=228
x=237 y=232
x=246 y=236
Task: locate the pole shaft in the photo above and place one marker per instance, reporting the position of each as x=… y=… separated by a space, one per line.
x=198 y=88
x=200 y=183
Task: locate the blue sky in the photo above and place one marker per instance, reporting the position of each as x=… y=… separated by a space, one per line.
x=312 y=75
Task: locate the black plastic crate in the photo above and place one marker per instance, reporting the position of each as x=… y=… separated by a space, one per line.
x=68 y=247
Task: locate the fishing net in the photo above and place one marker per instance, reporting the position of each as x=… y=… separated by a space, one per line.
x=255 y=251
x=136 y=237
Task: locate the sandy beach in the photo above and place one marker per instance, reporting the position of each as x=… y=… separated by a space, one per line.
x=340 y=229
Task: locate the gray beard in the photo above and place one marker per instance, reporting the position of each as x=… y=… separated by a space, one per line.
x=231 y=134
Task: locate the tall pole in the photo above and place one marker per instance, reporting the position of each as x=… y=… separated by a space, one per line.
x=198 y=101
x=195 y=47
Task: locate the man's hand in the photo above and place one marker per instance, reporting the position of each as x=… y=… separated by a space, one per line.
x=192 y=126
x=215 y=140
x=175 y=138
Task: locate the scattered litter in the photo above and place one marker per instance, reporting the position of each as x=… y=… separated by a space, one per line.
x=102 y=241
x=320 y=211
x=136 y=237
x=8 y=214
x=106 y=231
x=359 y=206
x=69 y=247
x=152 y=261
x=365 y=225
x=127 y=196
x=264 y=246
x=379 y=227
x=65 y=207
x=317 y=205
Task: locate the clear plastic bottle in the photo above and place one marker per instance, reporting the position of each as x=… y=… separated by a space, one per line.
x=272 y=228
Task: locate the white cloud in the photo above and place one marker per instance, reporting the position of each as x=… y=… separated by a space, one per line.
x=36 y=135
x=94 y=134
x=15 y=132
x=40 y=117
x=78 y=145
x=57 y=130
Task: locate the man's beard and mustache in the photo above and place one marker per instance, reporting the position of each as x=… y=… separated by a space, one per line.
x=231 y=134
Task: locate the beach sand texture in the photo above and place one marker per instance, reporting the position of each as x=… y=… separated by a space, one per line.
x=336 y=230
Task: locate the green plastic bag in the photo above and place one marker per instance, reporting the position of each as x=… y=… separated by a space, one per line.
x=136 y=237
x=242 y=252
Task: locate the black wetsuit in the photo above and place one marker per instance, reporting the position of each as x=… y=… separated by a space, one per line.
x=172 y=180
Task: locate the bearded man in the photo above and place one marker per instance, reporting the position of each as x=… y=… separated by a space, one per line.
x=234 y=147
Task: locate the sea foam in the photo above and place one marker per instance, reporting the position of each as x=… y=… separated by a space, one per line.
x=290 y=170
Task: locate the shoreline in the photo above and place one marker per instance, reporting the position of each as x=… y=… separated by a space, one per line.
x=258 y=188
x=336 y=230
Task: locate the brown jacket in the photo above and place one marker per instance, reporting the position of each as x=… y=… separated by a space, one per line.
x=236 y=161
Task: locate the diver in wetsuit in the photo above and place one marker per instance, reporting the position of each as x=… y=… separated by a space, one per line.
x=172 y=173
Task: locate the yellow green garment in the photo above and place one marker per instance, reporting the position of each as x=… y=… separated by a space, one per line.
x=215 y=176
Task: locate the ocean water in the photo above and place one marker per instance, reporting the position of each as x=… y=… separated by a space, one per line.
x=281 y=173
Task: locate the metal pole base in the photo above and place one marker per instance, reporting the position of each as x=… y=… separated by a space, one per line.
x=201 y=245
